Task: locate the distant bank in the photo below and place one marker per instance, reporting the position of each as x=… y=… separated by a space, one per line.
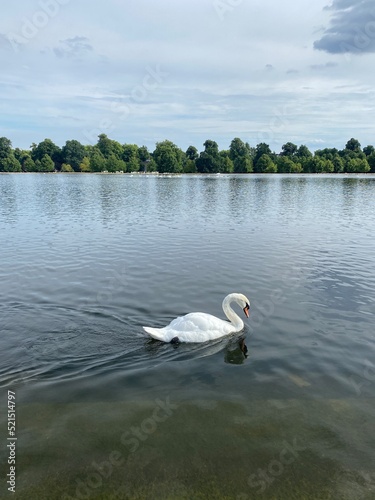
x=109 y=156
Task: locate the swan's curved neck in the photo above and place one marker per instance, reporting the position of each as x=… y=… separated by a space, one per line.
x=230 y=314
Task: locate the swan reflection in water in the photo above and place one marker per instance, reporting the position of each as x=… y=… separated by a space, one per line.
x=235 y=350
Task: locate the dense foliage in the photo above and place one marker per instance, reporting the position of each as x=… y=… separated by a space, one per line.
x=111 y=156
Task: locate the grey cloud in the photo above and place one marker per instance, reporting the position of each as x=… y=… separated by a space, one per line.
x=341 y=4
x=73 y=47
x=320 y=67
x=352 y=28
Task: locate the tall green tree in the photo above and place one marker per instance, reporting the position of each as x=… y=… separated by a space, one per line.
x=238 y=149
x=319 y=165
x=302 y=156
x=143 y=154
x=28 y=165
x=327 y=153
x=261 y=149
x=338 y=164
x=227 y=166
x=349 y=154
x=192 y=153
x=368 y=150
x=211 y=147
x=8 y=162
x=331 y=154
x=115 y=164
x=130 y=156
x=353 y=145
x=109 y=147
x=85 y=165
x=20 y=154
x=144 y=158
x=189 y=167
x=243 y=165
x=265 y=165
x=46 y=164
x=47 y=147
x=289 y=149
x=24 y=157
x=209 y=159
x=5 y=147
x=73 y=153
x=97 y=161
x=303 y=152
x=168 y=157
x=239 y=153
x=285 y=165
x=357 y=165
x=371 y=162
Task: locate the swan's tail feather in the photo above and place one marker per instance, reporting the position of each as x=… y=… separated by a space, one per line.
x=156 y=333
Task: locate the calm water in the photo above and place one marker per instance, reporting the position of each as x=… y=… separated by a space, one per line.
x=104 y=412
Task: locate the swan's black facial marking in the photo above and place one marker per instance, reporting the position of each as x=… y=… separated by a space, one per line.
x=246 y=310
x=243 y=347
x=175 y=340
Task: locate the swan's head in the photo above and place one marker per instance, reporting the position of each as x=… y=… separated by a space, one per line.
x=246 y=310
x=244 y=302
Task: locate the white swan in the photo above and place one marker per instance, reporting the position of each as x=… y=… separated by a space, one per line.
x=200 y=327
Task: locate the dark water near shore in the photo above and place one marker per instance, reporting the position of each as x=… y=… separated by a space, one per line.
x=104 y=412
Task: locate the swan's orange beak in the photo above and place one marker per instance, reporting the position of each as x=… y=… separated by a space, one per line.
x=246 y=310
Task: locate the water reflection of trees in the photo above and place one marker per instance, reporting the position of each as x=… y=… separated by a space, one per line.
x=8 y=199
x=292 y=196
x=355 y=192
x=251 y=196
x=111 y=194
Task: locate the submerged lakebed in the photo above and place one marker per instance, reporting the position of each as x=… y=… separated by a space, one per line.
x=105 y=412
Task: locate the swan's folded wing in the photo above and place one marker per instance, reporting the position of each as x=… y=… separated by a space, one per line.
x=194 y=327
x=199 y=327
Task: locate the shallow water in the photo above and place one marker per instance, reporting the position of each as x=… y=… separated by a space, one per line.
x=105 y=412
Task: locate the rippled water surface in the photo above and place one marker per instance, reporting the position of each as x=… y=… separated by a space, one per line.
x=105 y=412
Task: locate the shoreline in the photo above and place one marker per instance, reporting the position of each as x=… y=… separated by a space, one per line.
x=183 y=174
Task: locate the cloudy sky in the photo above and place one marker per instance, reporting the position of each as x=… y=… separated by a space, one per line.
x=143 y=71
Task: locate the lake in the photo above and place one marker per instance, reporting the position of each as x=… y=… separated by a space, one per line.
x=104 y=412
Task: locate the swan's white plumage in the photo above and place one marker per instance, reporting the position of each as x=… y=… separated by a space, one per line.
x=201 y=327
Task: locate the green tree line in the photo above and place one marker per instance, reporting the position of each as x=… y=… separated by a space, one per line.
x=108 y=155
